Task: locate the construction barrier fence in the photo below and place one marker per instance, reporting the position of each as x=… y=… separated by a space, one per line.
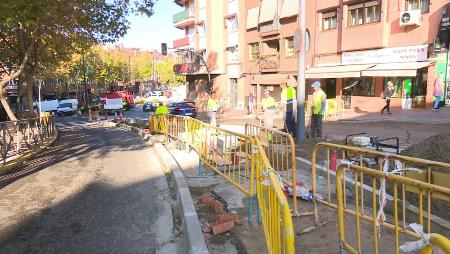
x=333 y=155
x=388 y=184
x=237 y=158
x=279 y=148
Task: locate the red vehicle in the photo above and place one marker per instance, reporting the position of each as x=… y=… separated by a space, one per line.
x=127 y=97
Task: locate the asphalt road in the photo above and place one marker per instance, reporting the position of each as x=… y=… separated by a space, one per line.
x=97 y=190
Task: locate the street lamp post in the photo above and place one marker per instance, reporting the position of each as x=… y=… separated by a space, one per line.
x=300 y=128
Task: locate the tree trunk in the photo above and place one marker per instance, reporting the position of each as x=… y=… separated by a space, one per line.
x=6 y=106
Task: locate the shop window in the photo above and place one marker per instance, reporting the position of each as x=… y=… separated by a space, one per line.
x=289 y=46
x=253 y=49
x=329 y=20
x=422 y=5
x=360 y=86
x=364 y=13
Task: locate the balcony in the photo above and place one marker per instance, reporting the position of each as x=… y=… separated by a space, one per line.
x=183 y=42
x=269 y=28
x=269 y=63
x=184 y=18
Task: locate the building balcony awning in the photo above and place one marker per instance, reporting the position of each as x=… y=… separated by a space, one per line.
x=252 y=18
x=268 y=11
x=190 y=21
x=339 y=71
x=408 y=69
x=290 y=8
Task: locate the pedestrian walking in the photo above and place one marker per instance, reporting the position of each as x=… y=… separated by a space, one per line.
x=318 y=105
x=387 y=95
x=288 y=105
x=437 y=93
x=268 y=107
x=251 y=103
x=212 y=111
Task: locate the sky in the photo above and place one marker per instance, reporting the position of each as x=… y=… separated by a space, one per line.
x=149 y=33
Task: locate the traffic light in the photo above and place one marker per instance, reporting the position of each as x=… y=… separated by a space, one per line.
x=164 y=49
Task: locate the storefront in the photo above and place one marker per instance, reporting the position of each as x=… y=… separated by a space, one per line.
x=363 y=75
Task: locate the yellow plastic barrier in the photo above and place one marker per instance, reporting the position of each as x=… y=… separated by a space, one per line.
x=361 y=157
x=280 y=150
x=275 y=212
x=391 y=183
x=237 y=158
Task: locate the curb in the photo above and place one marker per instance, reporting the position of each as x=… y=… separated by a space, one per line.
x=193 y=240
x=14 y=163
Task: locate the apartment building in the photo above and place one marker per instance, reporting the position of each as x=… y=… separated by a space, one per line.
x=355 y=48
x=211 y=45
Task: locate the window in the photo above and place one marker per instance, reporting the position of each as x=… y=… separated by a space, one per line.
x=422 y=5
x=329 y=20
x=201 y=30
x=253 y=49
x=364 y=13
x=289 y=46
x=360 y=86
x=232 y=24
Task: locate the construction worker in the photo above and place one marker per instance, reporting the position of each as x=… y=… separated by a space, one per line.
x=288 y=104
x=268 y=107
x=212 y=108
x=318 y=105
x=162 y=110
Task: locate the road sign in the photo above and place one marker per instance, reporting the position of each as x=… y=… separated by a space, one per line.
x=297 y=40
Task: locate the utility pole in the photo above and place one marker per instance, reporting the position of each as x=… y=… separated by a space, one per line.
x=86 y=96
x=300 y=128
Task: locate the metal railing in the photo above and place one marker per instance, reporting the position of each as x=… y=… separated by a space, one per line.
x=279 y=148
x=387 y=182
x=336 y=154
x=240 y=159
x=23 y=136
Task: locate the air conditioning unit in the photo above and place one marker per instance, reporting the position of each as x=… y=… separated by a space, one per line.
x=410 y=18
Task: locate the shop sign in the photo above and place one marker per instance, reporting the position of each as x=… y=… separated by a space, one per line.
x=387 y=55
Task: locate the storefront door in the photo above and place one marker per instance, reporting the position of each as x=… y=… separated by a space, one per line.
x=330 y=88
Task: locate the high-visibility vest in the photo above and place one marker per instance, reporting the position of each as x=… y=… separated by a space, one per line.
x=288 y=98
x=268 y=103
x=317 y=102
x=162 y=110
x=212 y=105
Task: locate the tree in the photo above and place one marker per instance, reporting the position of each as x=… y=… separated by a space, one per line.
x=164 y=70
x=41 y=33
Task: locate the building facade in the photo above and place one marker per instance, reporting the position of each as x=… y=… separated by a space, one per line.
x=355 y=47
x=211 y=45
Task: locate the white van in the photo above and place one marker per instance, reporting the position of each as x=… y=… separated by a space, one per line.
x=67 y=107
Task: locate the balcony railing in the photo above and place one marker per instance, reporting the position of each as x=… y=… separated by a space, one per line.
x=183 y=15
x=181 y=42
x=269 y=63
x=270 y=27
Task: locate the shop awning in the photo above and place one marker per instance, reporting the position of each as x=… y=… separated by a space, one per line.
x=268 y=10
x=252 y=18
x=290 y=8
x=339 y=71
x=408 y=69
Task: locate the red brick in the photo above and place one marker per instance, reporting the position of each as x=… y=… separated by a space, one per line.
x=220 y=228
x=206 y=199
x=217 y=206
x=229 y=217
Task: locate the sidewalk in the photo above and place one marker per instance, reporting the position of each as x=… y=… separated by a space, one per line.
x=420 y=116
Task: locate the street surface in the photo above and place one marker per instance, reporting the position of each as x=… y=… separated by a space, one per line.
x=97 y=190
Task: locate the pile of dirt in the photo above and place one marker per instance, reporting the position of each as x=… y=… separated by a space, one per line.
x=436 y=148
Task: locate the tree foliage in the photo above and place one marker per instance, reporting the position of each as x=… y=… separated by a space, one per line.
x=38 y=34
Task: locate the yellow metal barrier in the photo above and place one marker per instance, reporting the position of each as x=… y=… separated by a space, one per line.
x=362 y=156
x=388 y=183
x=280 y=150
x=274 y=207
x=238 y=158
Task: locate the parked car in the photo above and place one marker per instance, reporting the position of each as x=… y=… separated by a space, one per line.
x=66 y=109
x=148 y=107
x=183 y=109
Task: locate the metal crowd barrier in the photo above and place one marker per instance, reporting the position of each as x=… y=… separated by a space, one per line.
x=20 y=137
x=237 y=158
x=273 y=205
x=389 y=183
x=430 y=173
x=280 y=150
